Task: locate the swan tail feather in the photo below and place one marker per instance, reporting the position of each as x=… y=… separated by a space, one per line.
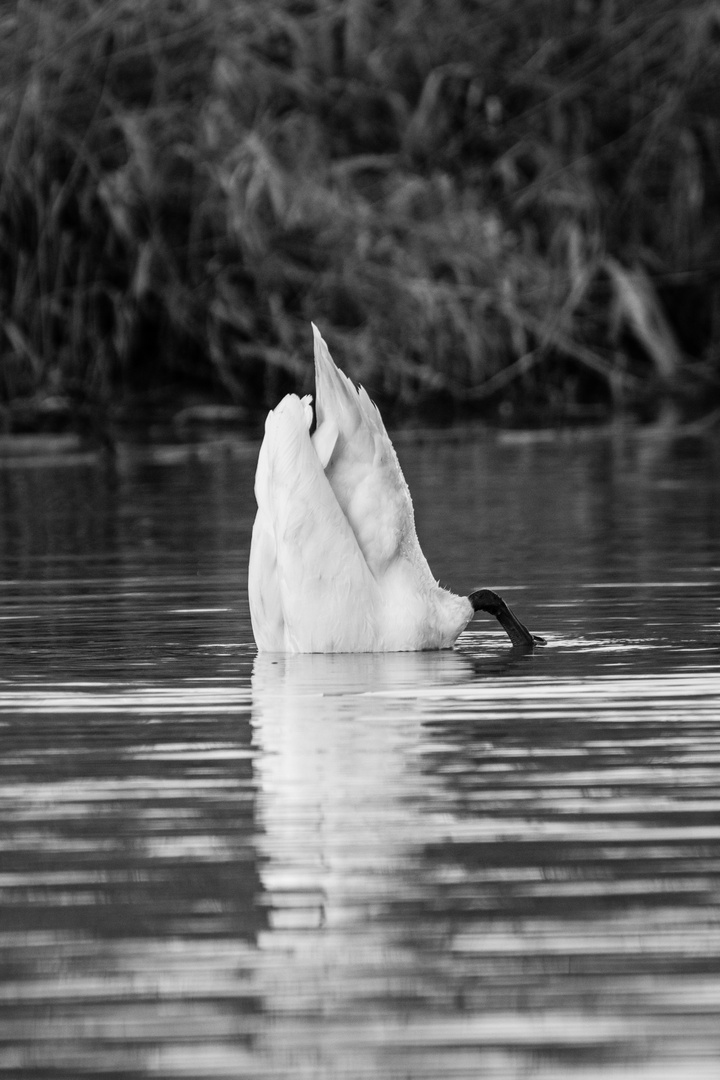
x=364 y=471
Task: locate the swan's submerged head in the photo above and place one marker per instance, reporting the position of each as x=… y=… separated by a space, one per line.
x=487 y=600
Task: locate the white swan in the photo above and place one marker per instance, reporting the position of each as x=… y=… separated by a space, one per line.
x=335 y=562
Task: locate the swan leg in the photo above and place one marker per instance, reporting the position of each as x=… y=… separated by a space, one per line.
x=487 y=600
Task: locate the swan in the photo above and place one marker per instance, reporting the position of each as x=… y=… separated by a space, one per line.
x=335 y=563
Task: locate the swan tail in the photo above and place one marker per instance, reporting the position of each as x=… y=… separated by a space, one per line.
x=343 y=407
x=363 y=469
x=335 y=395
x=338 y=395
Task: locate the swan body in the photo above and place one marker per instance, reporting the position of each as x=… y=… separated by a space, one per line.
x=335 y=562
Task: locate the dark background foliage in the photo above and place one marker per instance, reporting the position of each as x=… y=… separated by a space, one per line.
x=507 y=208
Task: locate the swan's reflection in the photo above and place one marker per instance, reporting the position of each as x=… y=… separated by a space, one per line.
x=335 y=769
x=339 y=789
x=338 y=744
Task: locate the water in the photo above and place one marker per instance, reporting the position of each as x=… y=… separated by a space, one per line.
x=419 y=867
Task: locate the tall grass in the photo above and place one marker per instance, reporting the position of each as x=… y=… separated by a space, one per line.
x=507 y=205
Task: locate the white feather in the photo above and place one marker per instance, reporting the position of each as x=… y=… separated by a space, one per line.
x=335 y=562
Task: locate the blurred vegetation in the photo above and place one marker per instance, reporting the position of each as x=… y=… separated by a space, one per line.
x=501 y=207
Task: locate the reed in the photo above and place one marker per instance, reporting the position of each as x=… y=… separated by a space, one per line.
x=508 y=205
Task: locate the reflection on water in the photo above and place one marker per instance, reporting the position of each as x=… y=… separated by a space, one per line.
x=474 y=863
x=469 y=878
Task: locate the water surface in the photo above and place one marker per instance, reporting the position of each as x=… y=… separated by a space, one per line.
x=451 y=865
